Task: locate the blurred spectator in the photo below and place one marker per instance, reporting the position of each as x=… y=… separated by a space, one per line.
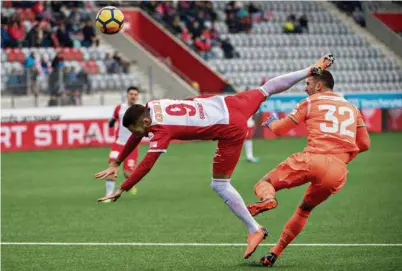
x=89 y=34
x=64 y=36
x=303 y=23
x=17 y=82
x=228 y=49
x=291 y=25
x=108 y=63
x=257 y=14
x=30 y=61
x=203 y=46
x=354 y=9
x=6 y=40
x=46 y=65
x=58 y=61
x=192 y=21
x=238 y=18
x=187 y=37
x=17 y=32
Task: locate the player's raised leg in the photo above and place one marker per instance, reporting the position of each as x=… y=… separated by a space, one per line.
x=329 y=175
x=225 y=160
x=283 y=82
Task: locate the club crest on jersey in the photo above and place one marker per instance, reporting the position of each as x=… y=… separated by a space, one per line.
x=158 y=111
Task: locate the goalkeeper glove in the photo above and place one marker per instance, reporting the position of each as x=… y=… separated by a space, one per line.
x=269 y=120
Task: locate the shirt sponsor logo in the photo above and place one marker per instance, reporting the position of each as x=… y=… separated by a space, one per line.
x=153 y=145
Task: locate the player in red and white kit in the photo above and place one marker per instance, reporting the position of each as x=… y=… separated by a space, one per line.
x=122 y=135
x=248 y=143
x=206 y=117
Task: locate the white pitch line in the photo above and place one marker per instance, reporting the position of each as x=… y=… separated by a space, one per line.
x=187 y=244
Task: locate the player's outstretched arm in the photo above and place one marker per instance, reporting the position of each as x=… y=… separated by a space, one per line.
x=283 y=82
x=113 y=168
x=130 y=145
x=362 y=139
x=139 y=172
x=279 y=126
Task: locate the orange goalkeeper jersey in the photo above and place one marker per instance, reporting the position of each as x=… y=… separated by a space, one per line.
x=331 y=123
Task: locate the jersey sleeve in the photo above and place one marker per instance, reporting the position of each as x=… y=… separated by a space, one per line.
x=130 y=145
x=299 y=114
x=159 y=140
x=141 y=170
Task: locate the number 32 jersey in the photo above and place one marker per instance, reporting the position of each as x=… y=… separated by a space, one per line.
x=196 y=119
x=331 y=123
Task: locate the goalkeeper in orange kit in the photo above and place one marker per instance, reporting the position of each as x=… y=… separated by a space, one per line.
x=336 y=134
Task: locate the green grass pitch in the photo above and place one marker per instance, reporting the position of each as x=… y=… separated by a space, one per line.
x=50 y=196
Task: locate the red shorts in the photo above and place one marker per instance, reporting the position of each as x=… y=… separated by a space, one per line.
x=241 y=107
x=326 y=174
x=130 y=162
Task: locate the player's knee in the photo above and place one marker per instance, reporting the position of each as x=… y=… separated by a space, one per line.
x=258 y=185
x=305 y=209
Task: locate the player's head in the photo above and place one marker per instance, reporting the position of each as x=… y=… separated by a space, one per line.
x=132 y=95
x=320 y=83
x=137 y=120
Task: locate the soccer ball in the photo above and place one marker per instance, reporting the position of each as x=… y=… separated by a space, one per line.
x=110 y=20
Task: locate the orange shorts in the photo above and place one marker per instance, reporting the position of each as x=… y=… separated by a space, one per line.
x=326 y=174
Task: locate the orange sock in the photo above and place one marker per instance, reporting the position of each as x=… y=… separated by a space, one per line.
x=292 y=228
x=264 y=190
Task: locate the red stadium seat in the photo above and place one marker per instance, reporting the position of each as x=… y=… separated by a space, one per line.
x=67 y=54
x=77 y=55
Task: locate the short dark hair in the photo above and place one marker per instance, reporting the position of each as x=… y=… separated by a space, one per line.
x=133 y=88
x=327 y=78
x=132 y=114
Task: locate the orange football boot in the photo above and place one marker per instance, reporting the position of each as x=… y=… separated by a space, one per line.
x=262 y=206
x=253 y=240
x=322 y=64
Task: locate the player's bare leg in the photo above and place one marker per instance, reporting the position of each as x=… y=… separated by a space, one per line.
x=133 y=190
x=235 y=202
x=292 y=228
x=266 y=193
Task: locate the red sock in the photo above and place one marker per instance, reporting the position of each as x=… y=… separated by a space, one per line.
x=292 y=228
x=264 y=190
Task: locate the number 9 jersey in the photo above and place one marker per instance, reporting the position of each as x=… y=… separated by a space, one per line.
x=199 y=118
x=331 y=123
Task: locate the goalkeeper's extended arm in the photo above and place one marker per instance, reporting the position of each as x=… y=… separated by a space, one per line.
x=279 y=126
